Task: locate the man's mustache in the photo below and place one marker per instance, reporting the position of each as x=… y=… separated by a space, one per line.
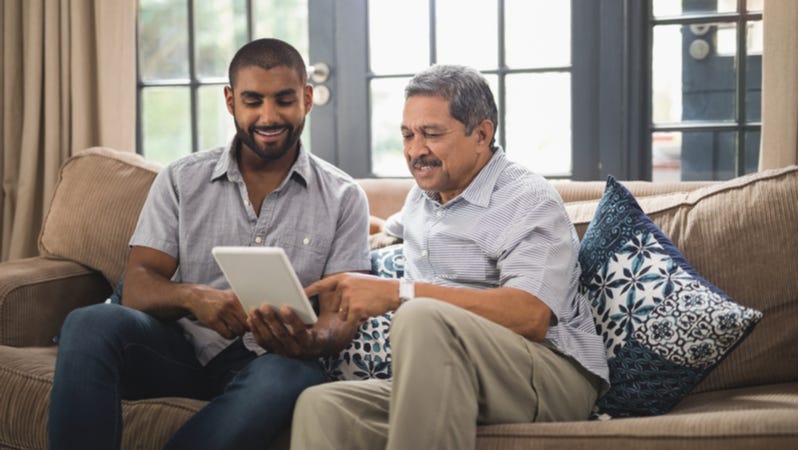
x=426 y=161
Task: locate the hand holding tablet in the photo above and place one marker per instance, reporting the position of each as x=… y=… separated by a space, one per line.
x=260 y=275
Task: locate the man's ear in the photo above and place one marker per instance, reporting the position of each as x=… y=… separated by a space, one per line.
x=308 y=97
x=484 y=132
x=229 y=99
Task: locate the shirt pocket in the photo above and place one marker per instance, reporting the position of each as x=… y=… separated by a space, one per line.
x=463 y=263
x=308 y=252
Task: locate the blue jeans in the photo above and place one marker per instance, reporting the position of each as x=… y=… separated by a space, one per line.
x=109 y=352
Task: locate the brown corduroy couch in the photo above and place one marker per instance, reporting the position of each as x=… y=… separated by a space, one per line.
x=741 y=235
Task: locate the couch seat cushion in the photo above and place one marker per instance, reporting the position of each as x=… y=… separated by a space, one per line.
x=26 y=376
x=736 y=419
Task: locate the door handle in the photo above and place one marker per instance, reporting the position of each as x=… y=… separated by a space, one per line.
x=319 y=72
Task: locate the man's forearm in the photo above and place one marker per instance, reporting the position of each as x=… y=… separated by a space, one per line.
x=515 y=309
x=152 y=293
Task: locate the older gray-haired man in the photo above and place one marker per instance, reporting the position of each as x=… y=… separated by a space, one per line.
x=490 y=326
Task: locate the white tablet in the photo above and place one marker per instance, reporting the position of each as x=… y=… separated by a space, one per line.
x=261 y=275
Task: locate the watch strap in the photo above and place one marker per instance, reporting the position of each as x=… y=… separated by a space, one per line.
x=406 y=290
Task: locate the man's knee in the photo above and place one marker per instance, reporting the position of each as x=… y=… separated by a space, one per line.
x=96 y=324
x=421 y=315
x=96 y=318
x=278 y=378
x=320 y=405
x=420 y=310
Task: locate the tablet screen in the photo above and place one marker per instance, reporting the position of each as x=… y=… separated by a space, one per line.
x=260 y=275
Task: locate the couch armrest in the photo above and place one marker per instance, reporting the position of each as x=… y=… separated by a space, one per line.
x=36 y=294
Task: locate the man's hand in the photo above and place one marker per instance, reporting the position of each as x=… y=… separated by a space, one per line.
x=380 y=240
x=359 y=296
x=283 y=332
x=219 y=310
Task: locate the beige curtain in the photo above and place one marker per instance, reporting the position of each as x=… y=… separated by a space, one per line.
x=68 y=82
x=779 y=85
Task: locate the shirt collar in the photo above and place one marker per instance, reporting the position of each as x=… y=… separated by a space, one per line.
x=479 y=191
x=226 y=165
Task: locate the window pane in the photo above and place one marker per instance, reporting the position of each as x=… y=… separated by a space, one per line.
x=547 y=44
x=466 y=33
x=538 y=122
x=215 y=125
x=701 y=155
x=755 y=48
x=220 y=29
x=387 y=115
x=691 y=82
x=726 y=38
x=677 y=7
x=752 y=151
x=667 y=156
x=283 y=19
x=398 y=36
x=711 y=5
x=667 y=88
x=166 y=124
x=755 y=5
x=163 y=39
x=711 y=155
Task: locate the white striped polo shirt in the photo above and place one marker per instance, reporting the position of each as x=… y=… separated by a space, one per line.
x=508 y=228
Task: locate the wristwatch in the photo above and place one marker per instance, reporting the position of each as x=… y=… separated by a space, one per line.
x=406 y=290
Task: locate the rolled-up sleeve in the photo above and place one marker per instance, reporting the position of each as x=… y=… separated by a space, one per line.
x=539 y=253
x=157 y=227
x=349 y=250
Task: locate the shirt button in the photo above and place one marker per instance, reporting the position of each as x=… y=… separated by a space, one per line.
x=439 y=213
x=258 y=239
x=306 y=241
x=424 y=253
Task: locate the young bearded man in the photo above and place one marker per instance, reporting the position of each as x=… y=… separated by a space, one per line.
x=180 y=330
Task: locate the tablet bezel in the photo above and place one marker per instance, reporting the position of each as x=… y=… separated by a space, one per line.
x=260 y=275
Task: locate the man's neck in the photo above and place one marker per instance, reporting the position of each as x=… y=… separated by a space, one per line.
x=262 y=177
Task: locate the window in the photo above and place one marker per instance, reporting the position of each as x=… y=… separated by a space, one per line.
x=706 y=88
x=660 y=89
x=184 y=47
x=528 y=68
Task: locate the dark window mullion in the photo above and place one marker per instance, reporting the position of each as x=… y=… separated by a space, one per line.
x=502 y=70
x=741 y=87
x=138 y=91
x=193 y=83
x=701 y=18
x=432 y=30
x=248 y=9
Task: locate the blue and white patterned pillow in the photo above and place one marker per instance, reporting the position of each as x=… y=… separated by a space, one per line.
x=369 y=354
x=665 y=327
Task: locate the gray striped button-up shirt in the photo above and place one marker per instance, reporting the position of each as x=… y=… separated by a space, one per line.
x=508 y=228
x=318 y=215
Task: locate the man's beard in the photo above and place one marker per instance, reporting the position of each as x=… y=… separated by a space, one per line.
x=270 y=151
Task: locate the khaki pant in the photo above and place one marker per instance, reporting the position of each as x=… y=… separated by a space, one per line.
x=453 y=370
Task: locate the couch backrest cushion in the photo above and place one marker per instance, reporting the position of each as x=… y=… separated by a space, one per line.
x=741 y=235
x=95 y=208
x=576 y=191
x=387 y=195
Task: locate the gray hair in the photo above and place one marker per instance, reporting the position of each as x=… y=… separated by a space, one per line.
x=471 y=99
